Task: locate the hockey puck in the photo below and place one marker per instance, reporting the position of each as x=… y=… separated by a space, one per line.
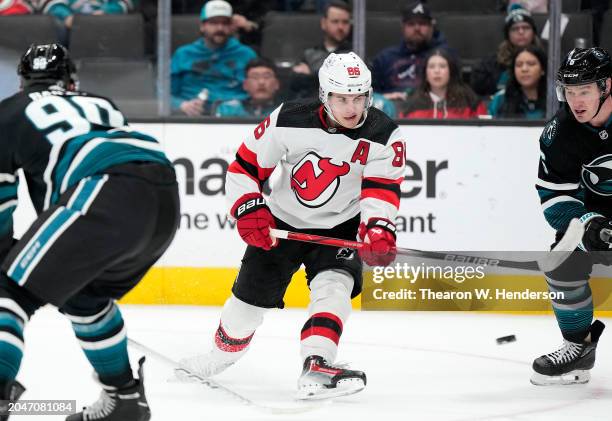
x=505 y=339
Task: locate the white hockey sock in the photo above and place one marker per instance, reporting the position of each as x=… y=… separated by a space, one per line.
x=330 y=306
x=237 y=326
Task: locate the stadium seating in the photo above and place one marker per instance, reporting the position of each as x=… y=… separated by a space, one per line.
x=382 y=30
x=466 y=35
x=472 y=36
x=580 y=25
x=18 y=32
x=606 y=32
x=185 y=30
x=108 y=36
x=131 y=84
x=471 y=6
x=444 y=6
x=285 y=36
x=570 y=6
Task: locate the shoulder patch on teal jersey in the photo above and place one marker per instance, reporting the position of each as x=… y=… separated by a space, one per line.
x=550 y=132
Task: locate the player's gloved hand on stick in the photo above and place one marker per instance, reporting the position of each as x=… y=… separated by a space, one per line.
x=597 y=233
x=378 y=235
x=254 y=220
x=596 y=239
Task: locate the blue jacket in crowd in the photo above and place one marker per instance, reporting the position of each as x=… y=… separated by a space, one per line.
x=396 y=69
x=221 y=71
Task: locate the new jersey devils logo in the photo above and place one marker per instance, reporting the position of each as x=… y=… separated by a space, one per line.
x=314 y=180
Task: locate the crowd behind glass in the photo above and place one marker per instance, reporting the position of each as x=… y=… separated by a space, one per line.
x=223 y=71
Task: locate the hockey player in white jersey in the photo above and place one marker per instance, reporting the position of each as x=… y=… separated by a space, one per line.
x=341 y=163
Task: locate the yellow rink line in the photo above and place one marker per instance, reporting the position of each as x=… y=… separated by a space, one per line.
x=212 y=286
x=202 y=286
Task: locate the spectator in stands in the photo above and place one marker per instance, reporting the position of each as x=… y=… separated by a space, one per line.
x=262 y=85
x=248 y=19
x=336 y=27
x=395 y=70
x=64 y=10
x=491 y=74
x=213 y=67
x=525 y=92
x=442 y=94
x=16 y=7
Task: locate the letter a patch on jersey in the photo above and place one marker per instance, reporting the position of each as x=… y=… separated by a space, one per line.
x=315 y=180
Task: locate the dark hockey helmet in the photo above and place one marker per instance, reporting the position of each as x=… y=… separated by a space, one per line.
x=47 y=63
x=582 y=66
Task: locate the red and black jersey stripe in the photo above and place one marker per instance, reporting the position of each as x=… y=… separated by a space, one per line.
x=246 y=163
x=382 y=189
x=327 y=325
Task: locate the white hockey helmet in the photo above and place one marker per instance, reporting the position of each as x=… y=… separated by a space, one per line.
x=344 y=74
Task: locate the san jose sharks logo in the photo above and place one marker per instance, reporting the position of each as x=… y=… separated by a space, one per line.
x=315 y=180
x=597 y=175
x=550 y=132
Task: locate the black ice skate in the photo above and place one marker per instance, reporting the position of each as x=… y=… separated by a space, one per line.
x=321 y=380
x=128 y=403
x=571 y=363
x=10 y=393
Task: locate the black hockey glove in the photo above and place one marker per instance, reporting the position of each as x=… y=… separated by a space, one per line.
x=597 y=234
x=596 y=240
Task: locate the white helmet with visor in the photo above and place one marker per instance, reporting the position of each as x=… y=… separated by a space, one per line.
x=345 y=74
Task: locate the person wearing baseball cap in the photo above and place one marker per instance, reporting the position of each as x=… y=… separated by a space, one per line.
x=491 y=74
x=395 y=69
x=416 y=10
x=212 y=68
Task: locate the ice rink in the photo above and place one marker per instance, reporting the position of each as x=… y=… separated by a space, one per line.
x=420 y=366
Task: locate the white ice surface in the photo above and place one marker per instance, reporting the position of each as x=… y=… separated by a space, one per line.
x=420 y=366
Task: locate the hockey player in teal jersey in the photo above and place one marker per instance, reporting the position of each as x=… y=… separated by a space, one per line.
x=575 y=181
x=107 y=203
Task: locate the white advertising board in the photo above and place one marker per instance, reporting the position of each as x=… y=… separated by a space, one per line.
x=466 y=188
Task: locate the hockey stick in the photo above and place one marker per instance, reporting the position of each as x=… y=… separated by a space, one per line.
x=552 y=259
x=210 y=383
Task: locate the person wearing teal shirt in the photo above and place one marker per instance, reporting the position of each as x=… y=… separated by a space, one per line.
x=525 y=92
x=63 y=9
x=212 y=68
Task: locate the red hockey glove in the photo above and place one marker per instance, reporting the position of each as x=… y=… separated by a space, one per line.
x=379 y=237
x=254 y=221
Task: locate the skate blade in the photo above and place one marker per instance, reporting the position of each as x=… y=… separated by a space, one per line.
x=573 y=377
x=344 y=387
